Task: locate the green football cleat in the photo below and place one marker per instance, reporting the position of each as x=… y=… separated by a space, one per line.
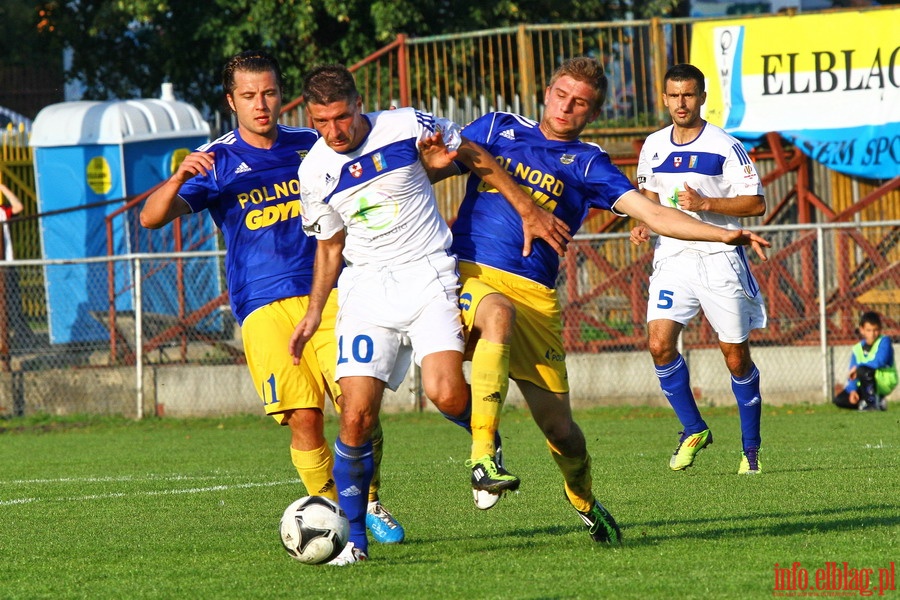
x=489 y=476
x=688 y=447
x=601 y=525
x=750 y=462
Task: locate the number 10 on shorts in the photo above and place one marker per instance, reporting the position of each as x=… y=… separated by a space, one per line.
x=360 y=349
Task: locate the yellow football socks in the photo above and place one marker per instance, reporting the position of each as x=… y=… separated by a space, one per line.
x=314 y=468
x=377 y=450
x=577 y=473
x=490 y=382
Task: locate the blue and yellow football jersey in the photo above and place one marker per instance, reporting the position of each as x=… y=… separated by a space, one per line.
x=566 y=178
x=253 y=195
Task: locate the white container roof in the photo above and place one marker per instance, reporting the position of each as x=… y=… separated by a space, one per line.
x=84 y=123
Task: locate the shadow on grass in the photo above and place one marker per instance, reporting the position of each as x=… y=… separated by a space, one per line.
x=788 y=524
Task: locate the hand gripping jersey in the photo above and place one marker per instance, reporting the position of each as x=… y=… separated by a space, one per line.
x=566 y=178
x=380 y=191
x=715 y=164
x=253 y=195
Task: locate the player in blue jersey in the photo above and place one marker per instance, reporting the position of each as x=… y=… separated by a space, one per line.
x=695 y=167
x=247 y=180
x=367 y=200
x=509 y=301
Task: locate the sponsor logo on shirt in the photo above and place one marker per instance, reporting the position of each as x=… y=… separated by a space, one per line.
x=692 y=162
x=380 y=162
x=508 y=134
x=242 y=168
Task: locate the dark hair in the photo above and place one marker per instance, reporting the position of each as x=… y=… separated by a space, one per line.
x=871 y=317
x=686 y=72
x=254 y=61
x=587 y=70
x=329 y=83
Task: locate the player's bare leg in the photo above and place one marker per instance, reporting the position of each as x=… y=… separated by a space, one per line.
x=310 y=454
x=553 y=414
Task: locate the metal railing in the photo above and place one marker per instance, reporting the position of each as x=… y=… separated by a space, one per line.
x=817 y=281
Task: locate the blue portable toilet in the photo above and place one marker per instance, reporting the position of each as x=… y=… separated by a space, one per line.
x=95 y=155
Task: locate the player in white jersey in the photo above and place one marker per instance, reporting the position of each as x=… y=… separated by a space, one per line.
x=698 y=168
x=269 y=266
x=367 y=199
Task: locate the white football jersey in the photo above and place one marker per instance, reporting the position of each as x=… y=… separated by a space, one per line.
x=715 y=164
x=379 y=192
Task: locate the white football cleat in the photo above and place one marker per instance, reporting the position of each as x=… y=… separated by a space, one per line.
x=350 y=554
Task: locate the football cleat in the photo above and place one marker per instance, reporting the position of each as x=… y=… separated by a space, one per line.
x=384 y=527
x=485 y=500
x=489 y=476
x=350 y=554
x=601 y=525
x=688 y=447
x=750 y=462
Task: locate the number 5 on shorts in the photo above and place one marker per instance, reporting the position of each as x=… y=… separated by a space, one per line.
x=665 y=299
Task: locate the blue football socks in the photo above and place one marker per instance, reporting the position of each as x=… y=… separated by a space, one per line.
x=353 y=469
x=749 y=402
x=675 y=381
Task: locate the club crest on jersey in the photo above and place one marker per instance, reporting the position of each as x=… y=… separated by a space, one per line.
x=748 y=170
x=567 y=159
x=380 y=162
x=356 y=170
x=692 y=162
x=677 y=161
x=302 y=154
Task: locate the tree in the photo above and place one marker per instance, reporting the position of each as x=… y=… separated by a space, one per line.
x=128 y=48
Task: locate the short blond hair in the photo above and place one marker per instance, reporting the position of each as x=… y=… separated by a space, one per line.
x=587 y=70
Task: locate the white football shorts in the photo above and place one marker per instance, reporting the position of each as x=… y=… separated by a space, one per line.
x=389 y=316
x=720 y=283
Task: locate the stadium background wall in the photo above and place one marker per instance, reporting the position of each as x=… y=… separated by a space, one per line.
x=835 y=251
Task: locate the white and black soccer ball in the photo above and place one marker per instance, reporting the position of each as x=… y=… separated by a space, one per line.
x=314 y=529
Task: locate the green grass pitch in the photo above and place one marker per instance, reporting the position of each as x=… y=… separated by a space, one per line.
x=106 y=508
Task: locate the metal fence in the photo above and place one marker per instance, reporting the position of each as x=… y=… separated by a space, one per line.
x=817 y=281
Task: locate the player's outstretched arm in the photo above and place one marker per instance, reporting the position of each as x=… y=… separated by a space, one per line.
x=536 y=222
x=163 y=206
x=326 y=269
x=673 y=223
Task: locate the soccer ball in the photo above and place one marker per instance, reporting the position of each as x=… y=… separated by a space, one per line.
x=314 y=529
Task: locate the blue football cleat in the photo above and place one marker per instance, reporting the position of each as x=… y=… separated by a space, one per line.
x=384 y=527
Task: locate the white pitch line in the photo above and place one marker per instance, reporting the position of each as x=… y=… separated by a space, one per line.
x=149 y=477
x=215 y=488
